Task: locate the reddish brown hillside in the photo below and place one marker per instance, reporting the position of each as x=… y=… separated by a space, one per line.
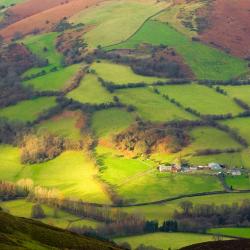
x=230 y=26
x=45 y=20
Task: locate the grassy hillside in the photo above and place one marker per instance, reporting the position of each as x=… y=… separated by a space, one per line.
x=20 y=233
x=206 y=62
x=238 y=232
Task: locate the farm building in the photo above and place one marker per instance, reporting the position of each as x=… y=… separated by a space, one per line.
x=236 y=172
x=164 y=168
x=214 y=166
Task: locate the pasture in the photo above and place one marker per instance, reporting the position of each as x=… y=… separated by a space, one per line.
x=152 y=107
x=108 y=18
x=23 y=208
x=165 y=210
x=242 y=232
x=44 y=47
x=67 y=124
x=241 y=125
x=120 y=74
x=90 y=91
x=238 y=182
x=54 y=81
x=165 y=240
x=241 y=92
x=72 y=173
x=206 y=62
x=108 y=122
x=209 y=138
x=28 y=110
x=201 y=98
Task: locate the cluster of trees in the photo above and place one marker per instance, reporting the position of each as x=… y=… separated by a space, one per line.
x=143 y=138
x=233 y=82
x=200 y=217
x=10 y=191
x=216 y=151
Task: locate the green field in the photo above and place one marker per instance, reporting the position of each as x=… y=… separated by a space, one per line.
x=238 y=182
x=22 y=208
x=36 y=44
x=241 y=92
x=206 y=62
x=108 y=19
x=29 y=110
x=209 y=138
x=165 y=240
x=120 y=74
x=90 y=91
x=85 y=223
x=54 y=81
x=201 y=98
x=235 y=231
x=151 y=106
x=66 y=124
x=241 y=125
x=107 y=122
x=165 y=211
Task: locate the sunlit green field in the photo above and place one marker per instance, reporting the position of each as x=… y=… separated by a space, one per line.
x=201 y=98
x=151 y=106
x=109 y=18
x=165 y=240
x=241 y=125
x=90 y=91
x=54 y=81
x=44 y=47
x=241 y=92
x=29 y=110
x=238 y=182
x=206 y=62
x=66 y=124
x=235 y=231
x=120 y=74
x=110 y=121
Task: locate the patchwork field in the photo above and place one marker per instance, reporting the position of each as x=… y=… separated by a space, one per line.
x=243 y=232
x=238 y=182
x=28 y=111
x=151 y=106
x=201 y=98
x=67 y=124
x=120 y=74
x=165 y=211
x=241 y=125
x=165 y=240
x=104 y=123
x=90 y=91
x=44 y=47
x=209 y=138
x=241 y=92
x=108 y=20
x=206 y=62
x=54 y=81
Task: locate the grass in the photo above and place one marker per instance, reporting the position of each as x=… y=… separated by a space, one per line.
x=90 y=91
x=151 y=106
x=206 y=62
x=108 y=20
x=67 y=124
x=22 y=208
x=233 y=231
x=165 y=211
x=241 y=92
x=107 y=122
x=165 y=240
x=121 y=74
x=36 y=44
x=241 y=125
x=29 y=110
x=238 y=182
x=209 y=138
x=54 y=81
x=201 y=98
x=72 y=173
x=85 y=223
